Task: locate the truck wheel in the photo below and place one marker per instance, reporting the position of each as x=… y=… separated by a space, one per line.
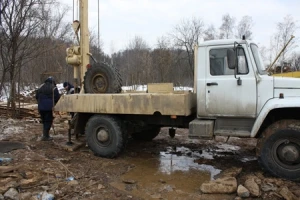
x=102 y=78
x=146 y=135
x=104 y=136
x=279 y=149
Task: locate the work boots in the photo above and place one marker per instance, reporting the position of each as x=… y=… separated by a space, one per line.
x=46 y=136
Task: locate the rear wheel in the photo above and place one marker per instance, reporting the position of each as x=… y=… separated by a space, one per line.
x=146 y=135
x=279 y=149
x=102 y=78
x=104 y=136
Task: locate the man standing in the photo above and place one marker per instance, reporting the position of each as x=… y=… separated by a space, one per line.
x=47 y=96
x=69 y=88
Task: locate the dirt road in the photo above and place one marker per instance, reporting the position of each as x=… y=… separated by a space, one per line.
x=166 y=168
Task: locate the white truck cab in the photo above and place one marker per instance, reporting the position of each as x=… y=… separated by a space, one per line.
x=237 y=97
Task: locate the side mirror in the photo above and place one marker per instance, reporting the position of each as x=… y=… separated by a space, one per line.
x=231 y=60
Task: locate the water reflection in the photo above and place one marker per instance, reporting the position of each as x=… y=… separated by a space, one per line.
x=182 y=159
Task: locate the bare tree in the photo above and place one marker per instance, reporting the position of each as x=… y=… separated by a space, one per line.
x=285 y=29
x=210 y=33
x=295 y=61
x=21 y=39
x=186 y=35
x=161 y=60
x=244 y=28
x=227 y=27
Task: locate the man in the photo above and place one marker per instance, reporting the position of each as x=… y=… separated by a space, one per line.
x=47 y=96
x=69 y=88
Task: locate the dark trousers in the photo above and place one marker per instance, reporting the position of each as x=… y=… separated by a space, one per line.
x=47 y=119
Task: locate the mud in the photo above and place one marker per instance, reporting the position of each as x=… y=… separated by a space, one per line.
x=165 y=168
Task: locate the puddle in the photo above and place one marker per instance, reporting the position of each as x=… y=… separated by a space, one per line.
x=183 y=160
x=172 y=172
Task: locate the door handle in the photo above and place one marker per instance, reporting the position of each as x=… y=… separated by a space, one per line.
x=210 y=84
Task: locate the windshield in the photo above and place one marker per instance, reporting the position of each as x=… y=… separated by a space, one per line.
x=258 y=59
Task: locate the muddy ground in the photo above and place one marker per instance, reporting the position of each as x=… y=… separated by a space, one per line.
x=166 y=168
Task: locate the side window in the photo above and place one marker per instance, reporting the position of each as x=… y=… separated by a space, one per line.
x=218 y=62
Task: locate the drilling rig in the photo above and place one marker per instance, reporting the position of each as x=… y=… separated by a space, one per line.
x=92 y=78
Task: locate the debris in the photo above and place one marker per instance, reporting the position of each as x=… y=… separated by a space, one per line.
x=5 y=160
x=156 y=196
x=225 y=185
x=243 y=192
x=100 y=186
x=266 y=187
x=162 y=181
x=129 y=181
x=73 y=182
x=167 y=188
x=71 y=178
x=6 y=169
x=253 y=187
x=287 y=194
x=47 y=196
x=12 y=193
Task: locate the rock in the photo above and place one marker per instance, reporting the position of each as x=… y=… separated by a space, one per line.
x=253 y=187
x=232 y=172
x=237 y=198
x=266 y=187
x=243 y=192
x=1 y=197
x=25 y=196
x=287 y=194
x=256 y=179
x=129 y=181
x=12 y=194
x=225 y=185
x=100 y=186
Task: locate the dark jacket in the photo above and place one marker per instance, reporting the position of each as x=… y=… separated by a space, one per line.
x=70 y=89
x=47 y=95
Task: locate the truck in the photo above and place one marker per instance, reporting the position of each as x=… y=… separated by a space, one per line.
x=233 y=96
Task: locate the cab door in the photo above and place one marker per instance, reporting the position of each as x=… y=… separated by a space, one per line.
x=225 y=96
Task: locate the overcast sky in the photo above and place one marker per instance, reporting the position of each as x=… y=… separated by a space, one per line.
x=121 y=20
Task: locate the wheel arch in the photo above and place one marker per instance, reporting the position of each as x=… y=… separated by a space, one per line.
x=275 y=110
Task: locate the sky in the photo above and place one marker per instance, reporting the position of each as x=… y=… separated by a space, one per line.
x=122 y=20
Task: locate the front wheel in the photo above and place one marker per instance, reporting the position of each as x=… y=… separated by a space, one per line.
x=104 y=136
x=279 y=149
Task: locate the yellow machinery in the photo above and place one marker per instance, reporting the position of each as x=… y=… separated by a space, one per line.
x=288 y=74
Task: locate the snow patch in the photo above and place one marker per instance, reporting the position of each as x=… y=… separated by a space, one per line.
x=227 y=147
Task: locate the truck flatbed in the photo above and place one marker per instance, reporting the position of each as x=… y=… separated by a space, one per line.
x=179 y=103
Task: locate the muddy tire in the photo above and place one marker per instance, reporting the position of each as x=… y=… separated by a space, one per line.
x=102 y=78
x=278 y=149
x=146 y=135
x=104 y=136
